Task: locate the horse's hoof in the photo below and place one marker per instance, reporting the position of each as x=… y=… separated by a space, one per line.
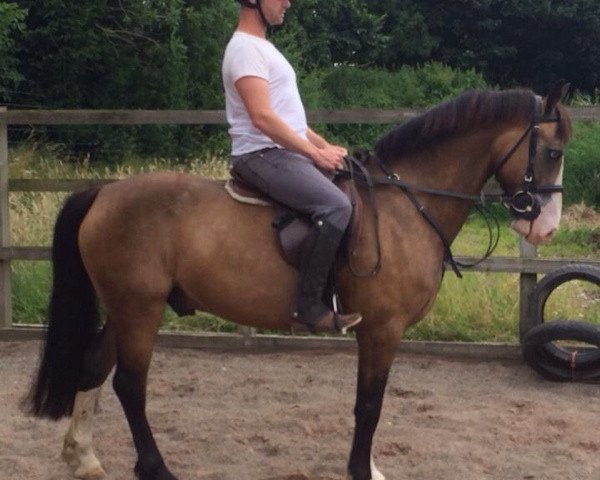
x=87 y=466
x=160 y=472
x=90 y=473
x=375 y=473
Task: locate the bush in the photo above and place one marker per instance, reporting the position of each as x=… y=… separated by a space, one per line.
x=348 y=86
x=351 y=87
x=11 y=22
x=582 y=166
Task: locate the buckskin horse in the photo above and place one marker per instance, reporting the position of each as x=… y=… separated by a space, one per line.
x=130 y=245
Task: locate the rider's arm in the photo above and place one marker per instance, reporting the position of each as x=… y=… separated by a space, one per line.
x=255 y=94
x=319 y=142
x=316 y=139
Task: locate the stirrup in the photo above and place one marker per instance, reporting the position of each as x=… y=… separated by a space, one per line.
x=330 y=322
x=351 y=320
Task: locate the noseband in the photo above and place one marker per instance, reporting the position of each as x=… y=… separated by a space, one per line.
x=524 y=204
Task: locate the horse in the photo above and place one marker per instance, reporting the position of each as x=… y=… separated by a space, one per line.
x=128 y=246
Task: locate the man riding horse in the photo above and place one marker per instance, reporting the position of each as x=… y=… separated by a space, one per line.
x=274 y=150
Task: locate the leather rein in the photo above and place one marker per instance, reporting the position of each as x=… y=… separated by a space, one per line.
x=523 y=204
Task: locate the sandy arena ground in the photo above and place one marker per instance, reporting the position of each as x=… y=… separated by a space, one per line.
x=288 y=416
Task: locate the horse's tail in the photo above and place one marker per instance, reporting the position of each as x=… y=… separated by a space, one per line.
x=72 y=317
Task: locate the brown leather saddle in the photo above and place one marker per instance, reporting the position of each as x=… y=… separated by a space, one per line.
x=291 y=227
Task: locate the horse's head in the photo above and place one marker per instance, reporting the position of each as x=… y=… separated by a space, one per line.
x=530 y=167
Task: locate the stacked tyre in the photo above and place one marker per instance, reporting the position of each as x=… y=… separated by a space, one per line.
x=541 y=351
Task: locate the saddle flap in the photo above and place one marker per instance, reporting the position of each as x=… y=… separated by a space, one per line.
x=292 y=231
x=293 y=228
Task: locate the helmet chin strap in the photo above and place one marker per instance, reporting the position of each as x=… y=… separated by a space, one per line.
x=256 y=6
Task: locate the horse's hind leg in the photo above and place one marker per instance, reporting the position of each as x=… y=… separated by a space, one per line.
x=135 y=341
x=77 y=445
x=376 y=354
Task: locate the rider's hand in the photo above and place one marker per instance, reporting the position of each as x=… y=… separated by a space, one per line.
x=342 y=150
x=330 y=158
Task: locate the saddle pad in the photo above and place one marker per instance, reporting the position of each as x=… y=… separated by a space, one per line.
x=246 y=194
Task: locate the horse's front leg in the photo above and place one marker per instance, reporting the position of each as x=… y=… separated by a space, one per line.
x=377 y=348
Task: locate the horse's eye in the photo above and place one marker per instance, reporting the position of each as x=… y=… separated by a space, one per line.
x=555 y=154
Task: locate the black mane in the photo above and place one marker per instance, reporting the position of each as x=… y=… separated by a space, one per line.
x=474 y=109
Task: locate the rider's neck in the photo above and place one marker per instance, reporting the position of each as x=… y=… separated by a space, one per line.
x=251 y=24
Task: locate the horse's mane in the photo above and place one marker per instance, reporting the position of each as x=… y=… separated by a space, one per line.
x=474 y=109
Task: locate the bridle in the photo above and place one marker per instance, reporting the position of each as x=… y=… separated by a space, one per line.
x=523 y=204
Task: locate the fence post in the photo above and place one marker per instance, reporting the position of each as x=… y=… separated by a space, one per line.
x=245 y=331
x=527 y=283
x=5 y=283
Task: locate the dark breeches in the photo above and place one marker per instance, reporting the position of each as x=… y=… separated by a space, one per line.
x=293 y=180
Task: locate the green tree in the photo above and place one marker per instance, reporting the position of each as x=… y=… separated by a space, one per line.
x=206 y=28
x=106 y=53
x=11 y=24
x=406 y=30
x=109 y=54
x=518 y=42
x=166 y=54
x=321 y=34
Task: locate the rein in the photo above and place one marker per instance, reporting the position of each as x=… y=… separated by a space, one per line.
x=523 y=204
x=366 y=177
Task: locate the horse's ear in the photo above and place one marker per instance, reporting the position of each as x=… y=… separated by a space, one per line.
x=557 y=93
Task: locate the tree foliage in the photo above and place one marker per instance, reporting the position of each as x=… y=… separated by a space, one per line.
x=92 y=54
x=166 y=54
x=157 y=54
x=11 y=22
x=519 y=42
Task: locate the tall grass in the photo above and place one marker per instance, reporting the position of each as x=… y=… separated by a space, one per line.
x=480 y=307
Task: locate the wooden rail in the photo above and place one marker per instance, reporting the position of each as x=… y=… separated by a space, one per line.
x=498 y=264
x=217 y=117
x=527 y=265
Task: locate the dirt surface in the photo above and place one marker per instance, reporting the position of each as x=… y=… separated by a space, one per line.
x=288 y=416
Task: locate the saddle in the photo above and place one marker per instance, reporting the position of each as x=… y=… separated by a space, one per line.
x=292 y=227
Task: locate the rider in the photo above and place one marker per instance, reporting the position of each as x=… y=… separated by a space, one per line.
x=274 y=149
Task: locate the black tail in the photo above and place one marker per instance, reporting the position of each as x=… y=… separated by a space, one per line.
x=72 y=317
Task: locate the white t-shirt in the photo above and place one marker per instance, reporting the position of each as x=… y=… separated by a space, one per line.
x=248 y=55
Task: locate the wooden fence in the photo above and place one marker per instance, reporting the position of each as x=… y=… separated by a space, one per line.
x=527 y=265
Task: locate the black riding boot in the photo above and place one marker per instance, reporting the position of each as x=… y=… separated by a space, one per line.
x=318 y=255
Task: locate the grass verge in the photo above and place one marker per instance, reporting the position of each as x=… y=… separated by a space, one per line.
x=480 y=307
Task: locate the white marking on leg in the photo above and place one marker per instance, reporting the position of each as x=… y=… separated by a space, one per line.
x=77 y=446
x=375 y=473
